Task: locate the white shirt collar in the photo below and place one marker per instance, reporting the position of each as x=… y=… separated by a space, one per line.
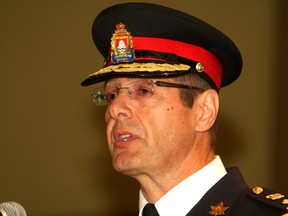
x=184 y=196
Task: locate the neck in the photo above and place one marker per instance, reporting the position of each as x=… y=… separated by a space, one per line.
x=154 y=186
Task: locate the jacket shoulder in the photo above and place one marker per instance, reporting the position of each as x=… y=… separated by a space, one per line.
x=270 y=198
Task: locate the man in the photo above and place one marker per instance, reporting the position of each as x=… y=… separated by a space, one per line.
x=161 y=80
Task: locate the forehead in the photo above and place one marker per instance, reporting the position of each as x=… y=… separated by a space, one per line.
x=121 y=79
x=124 y=81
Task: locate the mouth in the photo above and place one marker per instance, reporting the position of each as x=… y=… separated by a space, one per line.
x=122 y=138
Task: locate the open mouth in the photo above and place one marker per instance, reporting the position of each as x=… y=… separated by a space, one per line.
x=124 y=137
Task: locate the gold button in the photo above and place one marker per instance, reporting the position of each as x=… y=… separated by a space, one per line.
x=199 y=67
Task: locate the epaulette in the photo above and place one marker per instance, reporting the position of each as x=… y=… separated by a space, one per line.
x=270 y=197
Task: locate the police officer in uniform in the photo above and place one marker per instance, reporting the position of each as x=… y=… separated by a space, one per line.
x=161 y=81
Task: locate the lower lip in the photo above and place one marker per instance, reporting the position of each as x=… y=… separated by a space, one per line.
x=124 y=142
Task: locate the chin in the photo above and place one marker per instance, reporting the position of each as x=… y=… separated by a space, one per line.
x=126 y=165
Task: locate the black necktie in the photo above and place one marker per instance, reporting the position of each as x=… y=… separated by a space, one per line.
x=150 y=210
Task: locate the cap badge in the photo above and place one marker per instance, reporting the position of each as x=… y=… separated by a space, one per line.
x=122 y=45
x=218 y=210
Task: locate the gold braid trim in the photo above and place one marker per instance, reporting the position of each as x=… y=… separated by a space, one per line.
x=141 y=67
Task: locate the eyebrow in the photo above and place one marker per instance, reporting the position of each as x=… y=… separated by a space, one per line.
x=117 y=78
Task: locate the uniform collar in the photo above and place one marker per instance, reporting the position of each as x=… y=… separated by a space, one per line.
x=180 y=199
x=225 y=193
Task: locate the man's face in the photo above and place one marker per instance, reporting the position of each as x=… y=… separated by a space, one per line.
x=148 y=135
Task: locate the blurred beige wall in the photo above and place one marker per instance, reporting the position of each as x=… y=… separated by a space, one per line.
x=54 y=159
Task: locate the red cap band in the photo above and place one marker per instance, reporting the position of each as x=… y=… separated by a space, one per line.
x=212 y=65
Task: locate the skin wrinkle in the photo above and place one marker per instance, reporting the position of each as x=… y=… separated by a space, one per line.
x=171 y=135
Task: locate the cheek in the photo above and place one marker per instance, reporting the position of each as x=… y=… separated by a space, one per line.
x=109 y=128
x=173 y=120
x=170 y=109
x=165 y=120
x=107 y=116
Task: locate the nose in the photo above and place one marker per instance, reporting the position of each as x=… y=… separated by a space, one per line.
x=120 y=108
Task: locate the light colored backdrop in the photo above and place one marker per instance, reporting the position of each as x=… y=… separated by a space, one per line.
x=54 y=159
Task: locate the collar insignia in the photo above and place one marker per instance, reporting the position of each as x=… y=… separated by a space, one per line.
x=218 y=210
x=122 y=45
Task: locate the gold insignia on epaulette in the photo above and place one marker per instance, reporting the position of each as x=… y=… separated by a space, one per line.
x=219 y=209
x=257 y=190
x=285 y=201
x=275 y=196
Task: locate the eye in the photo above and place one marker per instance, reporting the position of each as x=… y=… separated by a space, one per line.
x=110 y=96
x=144 y=91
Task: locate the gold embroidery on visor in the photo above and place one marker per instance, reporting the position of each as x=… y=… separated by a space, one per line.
x=142 y=67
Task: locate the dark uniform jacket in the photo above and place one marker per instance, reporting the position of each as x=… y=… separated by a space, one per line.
x=231 y=196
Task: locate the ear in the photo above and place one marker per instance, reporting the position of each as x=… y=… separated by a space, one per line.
x=208 y=107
